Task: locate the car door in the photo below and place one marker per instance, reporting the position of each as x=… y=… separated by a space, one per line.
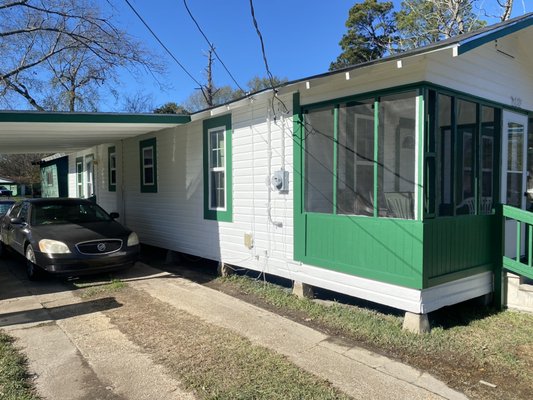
x=7 y=226
x=20 y=231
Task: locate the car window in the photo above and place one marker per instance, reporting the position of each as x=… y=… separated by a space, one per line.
x=15 y=210
x=67 y=213
x=24 y=212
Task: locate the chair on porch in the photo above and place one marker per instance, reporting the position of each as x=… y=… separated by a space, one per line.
x=400 y=205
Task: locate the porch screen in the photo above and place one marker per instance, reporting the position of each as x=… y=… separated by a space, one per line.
x=396 y=160
x=319 y=172
x=355 y=177
x=356 y=164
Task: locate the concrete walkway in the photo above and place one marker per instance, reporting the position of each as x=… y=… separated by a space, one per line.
x=76 y=353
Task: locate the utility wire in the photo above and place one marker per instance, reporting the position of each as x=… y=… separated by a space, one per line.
x=211 y=45
x=256 y=25
x=162 y=44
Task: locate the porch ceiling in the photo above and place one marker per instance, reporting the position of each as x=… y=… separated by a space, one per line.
x=34 y=132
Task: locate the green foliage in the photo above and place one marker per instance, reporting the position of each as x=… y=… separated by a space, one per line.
x=371 y=33
x=375 y=30
x=171 y=108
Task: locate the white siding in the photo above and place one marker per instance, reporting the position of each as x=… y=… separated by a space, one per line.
x=173 y=217
x=106 y=199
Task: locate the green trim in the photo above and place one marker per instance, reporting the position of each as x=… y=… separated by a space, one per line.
x=227 y=215
x=44 y=117
x=335 y=155
x=112 y=187
x=471 y=44
x=299 y=217
x=376 y=156
x=454 y=276
x=143 y=144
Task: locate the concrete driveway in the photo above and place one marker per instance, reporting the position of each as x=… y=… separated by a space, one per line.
x=75 y=351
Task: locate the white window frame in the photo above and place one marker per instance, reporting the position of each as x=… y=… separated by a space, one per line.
x=146 y=166
x=79 y=178
x=222 y=130
x=113 y=168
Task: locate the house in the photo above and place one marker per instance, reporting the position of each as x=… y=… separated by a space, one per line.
x=9 y=184
x=54 y=175
x=382 y=181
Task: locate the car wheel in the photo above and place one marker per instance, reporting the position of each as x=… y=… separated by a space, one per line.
x=32 y=270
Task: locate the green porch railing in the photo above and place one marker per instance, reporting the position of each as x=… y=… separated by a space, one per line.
x=519 y=265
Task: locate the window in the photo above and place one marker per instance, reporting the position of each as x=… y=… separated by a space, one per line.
x=79 y=177
x=355 y=177
x=463 y=162
x=148 y=161
x=319 y=160
x=89 y=176
x=112 y=166
x=342 y=174
x=217 y=168
x=396 y=159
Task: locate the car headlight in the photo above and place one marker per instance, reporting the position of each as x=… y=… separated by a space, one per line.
x=53 y=247
x=133 y=239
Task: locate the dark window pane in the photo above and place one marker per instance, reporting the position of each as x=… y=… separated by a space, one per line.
x=355 y=176
x=466 y=132
x=218 y=196
x=488 y=124
x=446 y=181
x=396 y=162
x=319 y=160
x=148 y=176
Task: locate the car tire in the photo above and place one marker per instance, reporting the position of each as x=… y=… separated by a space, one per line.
x=32 y=270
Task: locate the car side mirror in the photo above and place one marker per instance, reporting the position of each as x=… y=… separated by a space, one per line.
x=16 y=221
x=114 y=215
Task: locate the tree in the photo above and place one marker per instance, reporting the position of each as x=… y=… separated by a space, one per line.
x=375 y=30
x=421 y=22
x=171 y=108
x=138 y=102
x=507 y=9
x=58 y=54
x=371 y=33
x=20 y=168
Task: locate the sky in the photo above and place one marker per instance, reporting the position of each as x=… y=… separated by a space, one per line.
x=301 y=38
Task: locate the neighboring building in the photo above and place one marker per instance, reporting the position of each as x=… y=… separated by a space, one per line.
x=54 y=176
x=10 y=185
x=380 y=181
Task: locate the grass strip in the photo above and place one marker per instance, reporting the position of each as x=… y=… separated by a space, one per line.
x=465 y=340
x=14 y=381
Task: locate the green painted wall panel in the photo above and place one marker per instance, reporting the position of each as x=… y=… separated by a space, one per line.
x=388 y=250
x=457 y=247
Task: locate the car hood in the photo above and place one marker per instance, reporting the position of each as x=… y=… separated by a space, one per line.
x=76 y=233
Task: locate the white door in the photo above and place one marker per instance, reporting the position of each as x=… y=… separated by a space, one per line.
x=89 y=176
x=514 y=163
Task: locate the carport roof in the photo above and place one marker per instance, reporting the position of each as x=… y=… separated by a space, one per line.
x=51 y=132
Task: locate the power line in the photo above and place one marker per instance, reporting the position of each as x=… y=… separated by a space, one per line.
x=256 y=25
x=211 y=45
x=162 y=44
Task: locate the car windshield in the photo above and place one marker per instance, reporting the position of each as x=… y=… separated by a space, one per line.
x=67 y=213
